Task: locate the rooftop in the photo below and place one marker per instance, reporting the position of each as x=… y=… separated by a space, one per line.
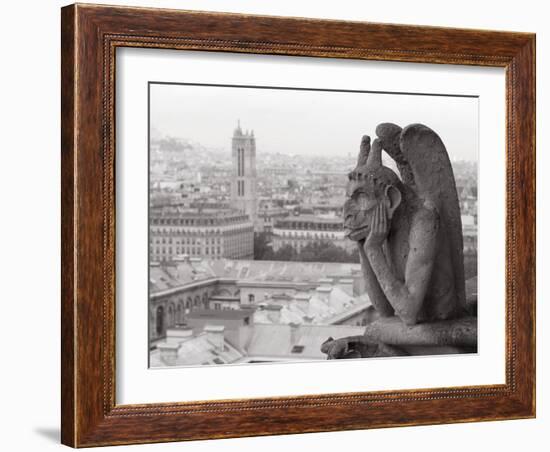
x=194 y=211
x=307 y=218
x=280 y=341
x=198 y=350
x=227 y=314
x=202 y=216
x=334 y=307
x=169 y=276
x=267 y=342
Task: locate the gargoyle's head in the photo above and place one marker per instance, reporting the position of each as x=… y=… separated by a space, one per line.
x=370 y=183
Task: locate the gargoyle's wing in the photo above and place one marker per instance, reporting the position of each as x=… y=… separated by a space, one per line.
x=428 y=161
x=389 y=136
x=424 y=165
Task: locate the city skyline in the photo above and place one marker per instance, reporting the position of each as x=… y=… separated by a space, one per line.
x=306 y=122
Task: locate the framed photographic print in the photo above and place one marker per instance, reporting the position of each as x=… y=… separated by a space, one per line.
x=281 y=225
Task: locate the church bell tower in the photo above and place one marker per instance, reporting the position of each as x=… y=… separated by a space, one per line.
x=243 y=181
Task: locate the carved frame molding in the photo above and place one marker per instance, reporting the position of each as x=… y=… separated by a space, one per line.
x=90 y=36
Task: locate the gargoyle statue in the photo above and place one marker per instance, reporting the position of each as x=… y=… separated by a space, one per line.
x=408 y=230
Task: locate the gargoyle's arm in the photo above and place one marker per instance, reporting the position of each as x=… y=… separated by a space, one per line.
x=374 y=291
x=407 y=297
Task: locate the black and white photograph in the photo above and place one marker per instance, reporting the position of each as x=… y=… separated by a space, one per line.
x=292 y=224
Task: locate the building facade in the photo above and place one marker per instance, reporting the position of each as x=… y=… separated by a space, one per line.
x=209 y=233
x=243 y=181
x=301 y=230
x=268 y=215
x=169 y=308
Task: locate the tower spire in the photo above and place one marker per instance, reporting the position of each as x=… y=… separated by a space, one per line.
x=238 y=131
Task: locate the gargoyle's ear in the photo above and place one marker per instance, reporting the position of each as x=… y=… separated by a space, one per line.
x=392 y=199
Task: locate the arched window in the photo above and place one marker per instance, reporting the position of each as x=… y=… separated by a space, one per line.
x=160 y=321
x=171 y=315
x=197 y=301
x=251 y=298
x=179 y=317
x=205 y=300
x=188 y=303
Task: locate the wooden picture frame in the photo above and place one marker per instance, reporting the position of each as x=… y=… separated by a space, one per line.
x=90 y=35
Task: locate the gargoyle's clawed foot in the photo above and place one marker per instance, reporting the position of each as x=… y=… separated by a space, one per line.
x=344 y=348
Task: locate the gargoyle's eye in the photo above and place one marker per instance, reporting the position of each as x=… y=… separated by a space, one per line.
x=363 y=201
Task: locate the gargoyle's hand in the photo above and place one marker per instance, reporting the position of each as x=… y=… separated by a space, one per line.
x=380 y=227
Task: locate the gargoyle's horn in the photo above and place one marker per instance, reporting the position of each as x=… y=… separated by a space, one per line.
x=364 y=150
x=375 y=155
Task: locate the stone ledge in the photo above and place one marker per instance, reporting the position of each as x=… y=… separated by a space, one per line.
x=392 y=331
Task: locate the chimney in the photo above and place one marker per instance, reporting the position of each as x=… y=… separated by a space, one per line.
x=346 y=284
x=323 y=293
x=215 y=335
x=294 y=332
x=178 y=335
x=181 y=262
x=274 y=312
x=302 y=301
x=169 y=353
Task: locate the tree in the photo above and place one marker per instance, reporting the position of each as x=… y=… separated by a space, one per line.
x=285 y=253
x=262 y=247
x=326 y=251
x=316 y=251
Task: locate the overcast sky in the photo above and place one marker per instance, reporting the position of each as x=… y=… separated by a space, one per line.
x=308 y=122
